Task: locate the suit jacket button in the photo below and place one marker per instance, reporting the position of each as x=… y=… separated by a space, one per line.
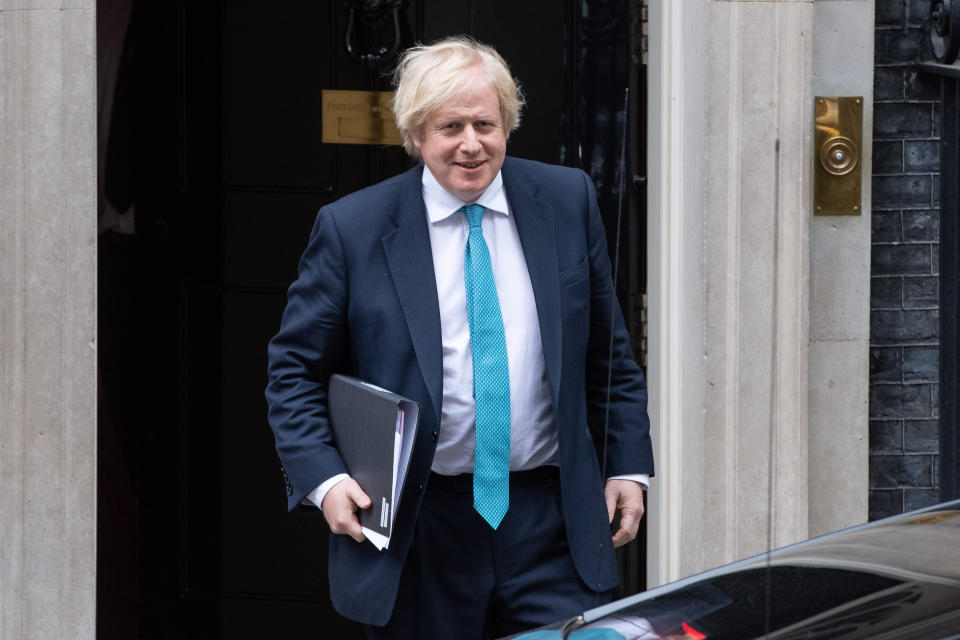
x=434 y=436
x=419 y=487
x=286 y=481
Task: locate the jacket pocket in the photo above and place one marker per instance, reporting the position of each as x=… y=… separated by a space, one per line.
x=575 y=273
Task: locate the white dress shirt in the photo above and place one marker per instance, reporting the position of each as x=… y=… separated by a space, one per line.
x=533 y=432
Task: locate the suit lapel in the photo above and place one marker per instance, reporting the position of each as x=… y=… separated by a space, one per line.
x=537 y=231
x=407 y=248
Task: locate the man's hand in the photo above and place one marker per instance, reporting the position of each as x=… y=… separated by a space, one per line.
x=340 y=508
x=625 y=496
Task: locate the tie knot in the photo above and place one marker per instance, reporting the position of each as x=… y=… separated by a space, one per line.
x=474 y=214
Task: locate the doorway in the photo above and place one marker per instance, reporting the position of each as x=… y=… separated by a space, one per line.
x=214 y=169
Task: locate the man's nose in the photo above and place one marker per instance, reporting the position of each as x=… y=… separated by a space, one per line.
x=469 y=141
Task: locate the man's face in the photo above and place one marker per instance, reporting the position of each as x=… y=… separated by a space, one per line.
x=463 y=142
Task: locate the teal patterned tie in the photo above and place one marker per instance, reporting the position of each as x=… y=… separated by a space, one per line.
x=491 y=377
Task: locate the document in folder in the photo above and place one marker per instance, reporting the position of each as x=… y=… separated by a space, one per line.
x=374 y=431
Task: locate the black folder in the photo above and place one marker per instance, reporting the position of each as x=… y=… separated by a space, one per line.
x=374 y=431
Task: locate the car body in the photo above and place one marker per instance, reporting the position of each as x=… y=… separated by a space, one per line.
x=893 y=578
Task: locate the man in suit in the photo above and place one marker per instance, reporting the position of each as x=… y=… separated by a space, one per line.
x=479 y=286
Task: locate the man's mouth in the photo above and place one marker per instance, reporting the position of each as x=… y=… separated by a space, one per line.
x=469 y=165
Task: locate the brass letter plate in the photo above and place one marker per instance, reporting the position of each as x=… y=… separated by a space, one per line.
x=358 y=117
x=837 y=145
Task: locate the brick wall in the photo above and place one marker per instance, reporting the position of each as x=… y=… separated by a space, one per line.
x=904 y=297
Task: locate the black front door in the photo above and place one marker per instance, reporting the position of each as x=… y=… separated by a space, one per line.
x=222 y=159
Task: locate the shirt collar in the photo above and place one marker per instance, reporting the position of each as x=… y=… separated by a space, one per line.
x=441 y=204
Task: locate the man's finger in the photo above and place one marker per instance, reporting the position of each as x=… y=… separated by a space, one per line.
x=611 y=496
x=360 y=499
x=629 y=525
x=344 y=521
x=621 y=537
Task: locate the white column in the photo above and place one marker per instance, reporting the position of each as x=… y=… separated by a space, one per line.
x=840 y=288
x=730 y=142
x=47 y=319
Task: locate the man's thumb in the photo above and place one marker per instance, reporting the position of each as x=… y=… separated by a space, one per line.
x=361 y=499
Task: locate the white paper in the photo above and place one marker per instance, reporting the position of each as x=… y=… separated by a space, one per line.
x=379 y=540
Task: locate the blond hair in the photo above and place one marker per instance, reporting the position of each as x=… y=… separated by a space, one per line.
x=429 y=76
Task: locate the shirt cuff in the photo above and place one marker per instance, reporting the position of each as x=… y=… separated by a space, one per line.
x=642 y=478
x=317 y=495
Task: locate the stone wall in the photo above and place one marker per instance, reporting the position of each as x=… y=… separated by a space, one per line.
x=904 y=330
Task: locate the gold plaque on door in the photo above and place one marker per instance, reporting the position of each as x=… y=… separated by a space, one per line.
x=358 y=117
x=837 y=145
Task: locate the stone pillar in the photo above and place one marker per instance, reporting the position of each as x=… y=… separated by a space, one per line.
x=840 y=287
x=730 y=141
x=47 y=319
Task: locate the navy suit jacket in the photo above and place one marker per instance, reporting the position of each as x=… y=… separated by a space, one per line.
x=365 y=304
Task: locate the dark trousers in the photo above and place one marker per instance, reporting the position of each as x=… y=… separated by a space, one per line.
x=464 y=580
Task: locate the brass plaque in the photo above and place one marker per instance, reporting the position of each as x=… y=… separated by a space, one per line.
x=837 y=147
x=358 y=117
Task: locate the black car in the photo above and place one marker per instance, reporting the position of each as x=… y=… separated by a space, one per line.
x=893 y=578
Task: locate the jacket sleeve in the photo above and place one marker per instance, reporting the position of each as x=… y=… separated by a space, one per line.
x=308 y=348
x=616 y=389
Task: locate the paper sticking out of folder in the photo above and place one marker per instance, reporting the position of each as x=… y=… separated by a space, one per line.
x=374 y=431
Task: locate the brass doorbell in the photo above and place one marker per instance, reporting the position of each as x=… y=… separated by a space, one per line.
x=837 y=143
